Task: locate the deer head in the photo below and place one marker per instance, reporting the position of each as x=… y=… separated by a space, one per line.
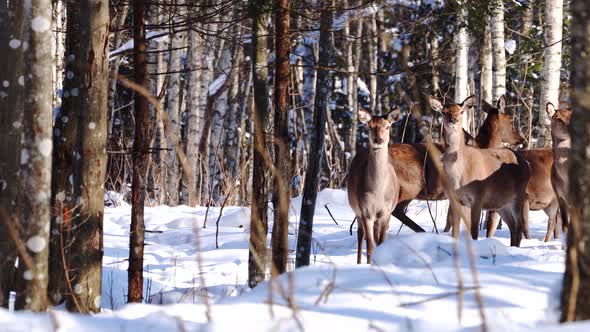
x=560 y=120
x=452 y=113
x=505 y=121
x=378 y=126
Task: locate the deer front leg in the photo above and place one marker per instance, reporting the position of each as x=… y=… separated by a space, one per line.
x=475 y=216
x=369 y=238
x=360 y=234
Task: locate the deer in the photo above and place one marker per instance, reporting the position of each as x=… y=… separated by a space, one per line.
x=562 y=144
x=419 y=178
x=482 y=174
x=372 y=184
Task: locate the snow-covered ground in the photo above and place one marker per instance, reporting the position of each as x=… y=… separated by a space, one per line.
x=413 y=286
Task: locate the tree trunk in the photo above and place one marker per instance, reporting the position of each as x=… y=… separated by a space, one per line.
x=232 y=153
x=461 y=63
x=173 y=95
x=36 y=161
x=371 y=28
x=575 y=296
x=498 y=51
x=259 y=217
x=11 y=112
x=140 y=157
x=312 y=176
x=487 y=81
x=192 y=110
x=281 y=183
x=86 y=249
x=435 y=58
x=551 y=66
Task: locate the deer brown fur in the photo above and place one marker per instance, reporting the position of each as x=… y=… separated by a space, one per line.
x=481 y=169
x=560 y=120
x=372 y=183
x=419 y=178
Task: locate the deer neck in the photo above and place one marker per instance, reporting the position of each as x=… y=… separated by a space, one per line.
x=454 y=139
x=489 y=135
x=562 y=145
x=378 y=169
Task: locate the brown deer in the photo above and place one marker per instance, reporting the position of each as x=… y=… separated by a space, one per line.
x=417 y=175
x=372 y=184
x=479 y=171
x=562 y=144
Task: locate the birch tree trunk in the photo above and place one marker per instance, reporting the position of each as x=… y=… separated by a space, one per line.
x=461 y=63
x=498 y=50
x=173 y=95
x=36 y=161
x=435 y=58
x=575 y=296
x=192 y=97
x=259 y=11
x=140 y=157
x=551 y=65
x=371 y=28
x=11 y=120
x=487 y=81
x=237 y=77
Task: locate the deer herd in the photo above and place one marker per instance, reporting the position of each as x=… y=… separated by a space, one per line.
x=475 y=174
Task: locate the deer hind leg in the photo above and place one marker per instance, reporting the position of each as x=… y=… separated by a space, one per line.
x=360 y=234
x=551 y=212
x=381 y=227
x=492 y=223
x=526 y=230
x=400 y=213
x=564 y=212
x=475 y=217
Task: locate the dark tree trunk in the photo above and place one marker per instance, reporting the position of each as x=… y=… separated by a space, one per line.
x=260 y=113
x=575 y=297
x=35 y=172
x=281 y=183
x=312 y=175
x=140 y=157
x=11 y=110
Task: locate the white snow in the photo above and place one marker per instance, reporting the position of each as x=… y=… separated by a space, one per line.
x=411 y=287
x=40 y=24
x=45 y=147
x=510 y=46
x=36 y=243
x=217 y=84
x=91 y=125
x=14 y=43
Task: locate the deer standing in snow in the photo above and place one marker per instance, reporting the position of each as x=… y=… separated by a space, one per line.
x=417 y=174
x=372 y=183
x=562 y=144
x=491 y=179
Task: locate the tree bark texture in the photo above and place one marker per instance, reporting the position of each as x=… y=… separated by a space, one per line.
x=259 y=216
x=140 y=157
x=498 y=50
x=11 y=125
x=282 y=177
x=36 y=161
x=312 y=175
x=575 y=296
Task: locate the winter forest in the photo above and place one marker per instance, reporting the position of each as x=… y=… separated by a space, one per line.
x=294 y=165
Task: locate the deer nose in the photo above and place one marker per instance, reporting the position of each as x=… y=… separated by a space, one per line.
x=378 y=140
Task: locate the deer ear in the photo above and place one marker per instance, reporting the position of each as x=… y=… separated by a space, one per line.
x=550 y=109
x=393 y=115
x=435 y=104
x=364 y=116
x=469 y=102
x=501 y=105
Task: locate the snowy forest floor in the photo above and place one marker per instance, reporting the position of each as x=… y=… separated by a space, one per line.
x=413 y=286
